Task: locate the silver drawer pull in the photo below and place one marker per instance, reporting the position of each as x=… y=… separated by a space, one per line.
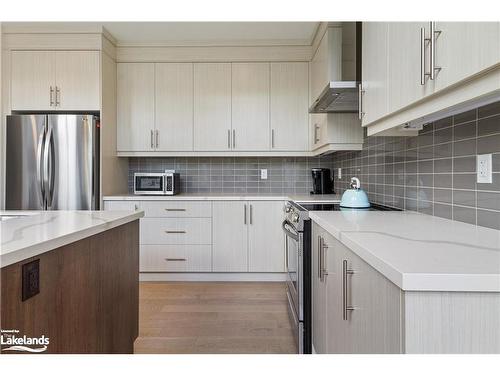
x=175 y=259
x=175 y=231
x=175 y=209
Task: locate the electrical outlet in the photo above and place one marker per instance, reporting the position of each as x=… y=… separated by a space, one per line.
x=484 y=169
x=263 y=174
x=31 y=279
x=339 y=173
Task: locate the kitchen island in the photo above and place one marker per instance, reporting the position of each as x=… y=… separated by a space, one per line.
x=404 y=282
x=71 y=277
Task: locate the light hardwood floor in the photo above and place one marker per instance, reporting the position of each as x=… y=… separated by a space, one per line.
x=212 y=317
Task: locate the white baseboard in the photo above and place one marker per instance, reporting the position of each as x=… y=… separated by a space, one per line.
x=212 y=276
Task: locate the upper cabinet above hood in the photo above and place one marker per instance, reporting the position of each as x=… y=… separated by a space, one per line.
x=334 y=84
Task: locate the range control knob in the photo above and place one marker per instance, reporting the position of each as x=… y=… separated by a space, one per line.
x=288 y=208
x=295 y=218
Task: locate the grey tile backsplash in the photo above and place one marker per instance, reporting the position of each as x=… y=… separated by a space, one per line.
x=236 y=174
x=435 y=172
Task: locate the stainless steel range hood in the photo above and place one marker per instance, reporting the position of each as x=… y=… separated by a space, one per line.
x=340 y=52
x=338 y=97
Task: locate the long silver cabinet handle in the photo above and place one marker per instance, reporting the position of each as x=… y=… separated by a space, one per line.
x=58 y=96
x=228 y=138
x=175 y=259
x=433 y=35
x=319 y=256
x=175 y=231
x=361 y=91
x=323 y=249
x=245 y=214
x=152 y=142
x=345 y=290
x=422 y=56
x=175 y=209
x=51 y=96
x=251 y=214
x=272 y=138
x=316 y=127
x=157 y=138
x=234 y=138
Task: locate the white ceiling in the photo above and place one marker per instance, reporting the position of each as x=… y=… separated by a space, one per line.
x=186 y=33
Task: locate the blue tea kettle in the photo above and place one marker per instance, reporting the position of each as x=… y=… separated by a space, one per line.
x=355 y=197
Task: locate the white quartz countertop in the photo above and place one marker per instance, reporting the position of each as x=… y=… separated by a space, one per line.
x=417 y=251
x=36 y=232
x=305 y=198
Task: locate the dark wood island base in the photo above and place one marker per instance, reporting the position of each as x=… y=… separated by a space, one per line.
x=88 y=300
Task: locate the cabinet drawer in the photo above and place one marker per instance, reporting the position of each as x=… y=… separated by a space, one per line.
x=176 y=231
x=176 y=209
x=176 y=258
x=121 y=206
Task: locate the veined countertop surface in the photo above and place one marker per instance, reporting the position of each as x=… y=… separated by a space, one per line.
x=419 y=252
x=304 y=198
x=30 y=233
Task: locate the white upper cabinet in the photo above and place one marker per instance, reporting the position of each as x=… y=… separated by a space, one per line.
x=325 y=65
x=289 y=109
x=464 y=49
x=212 y=107
x=136 y=103
x=374 y=101
x=174 y=106
x=33 y=80
x=77 y=80
x=250 y=106
x=50 y=80
x=404 y=69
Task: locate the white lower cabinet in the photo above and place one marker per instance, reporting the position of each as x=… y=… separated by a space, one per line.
x=247 y=236
x=208 y=236
x=266 y=242
x=230 y=236
x=355 y=308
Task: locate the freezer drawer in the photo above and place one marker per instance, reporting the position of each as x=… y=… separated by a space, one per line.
x=176 y=258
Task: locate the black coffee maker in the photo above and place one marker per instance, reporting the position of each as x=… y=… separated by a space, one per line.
x=322 y=181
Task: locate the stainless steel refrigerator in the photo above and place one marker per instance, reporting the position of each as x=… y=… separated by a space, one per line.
x=52 y=162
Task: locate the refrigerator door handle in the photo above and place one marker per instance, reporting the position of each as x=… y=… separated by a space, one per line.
x=48 y=162
x=39 y=169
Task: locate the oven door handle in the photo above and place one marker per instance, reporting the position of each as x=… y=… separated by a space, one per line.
x=289 y=233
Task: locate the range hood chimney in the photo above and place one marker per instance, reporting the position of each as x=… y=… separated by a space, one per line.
x=341 y=95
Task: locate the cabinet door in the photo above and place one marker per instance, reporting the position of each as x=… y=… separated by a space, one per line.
x=266 y=242
x=464 y=49
x=404 y=65
x=32 y=78
x=319 y=296
x=174 y=106
x=250 y=106
x=374 y=324
x=230 y=236
x=135 y=106
x=77 y=80
x=212 y=107
x=289 y=106
x=374 y=71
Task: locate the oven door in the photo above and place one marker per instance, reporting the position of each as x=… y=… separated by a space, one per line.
x=294 y=268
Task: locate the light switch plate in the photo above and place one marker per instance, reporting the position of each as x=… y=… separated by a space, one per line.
x=484 y=169
x=263 y=174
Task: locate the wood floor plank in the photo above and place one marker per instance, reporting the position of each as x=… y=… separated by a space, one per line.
x=214 y=317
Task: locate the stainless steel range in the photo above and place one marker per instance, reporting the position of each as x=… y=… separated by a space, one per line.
x=297 y=227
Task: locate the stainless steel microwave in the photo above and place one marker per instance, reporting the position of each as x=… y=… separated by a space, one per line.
x=149 y=183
